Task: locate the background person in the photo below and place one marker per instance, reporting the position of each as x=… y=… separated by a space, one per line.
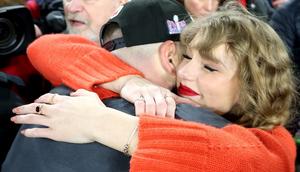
x=201 y=8
x=86 y=17
x=261 y=8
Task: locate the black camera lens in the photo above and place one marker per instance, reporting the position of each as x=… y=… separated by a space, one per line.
x=7 y=34
x=12 y=35
x=16 y=30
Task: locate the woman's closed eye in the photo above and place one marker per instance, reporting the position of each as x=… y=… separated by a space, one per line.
x=187 y=57
x=209 y=68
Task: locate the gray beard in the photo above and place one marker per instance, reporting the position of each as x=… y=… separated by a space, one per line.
x=90 y=36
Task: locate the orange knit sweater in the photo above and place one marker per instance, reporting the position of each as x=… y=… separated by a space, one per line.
x=178 y=146
x=164 y=144
x=76 y=62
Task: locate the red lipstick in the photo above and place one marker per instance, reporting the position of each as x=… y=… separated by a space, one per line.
x=186 y=91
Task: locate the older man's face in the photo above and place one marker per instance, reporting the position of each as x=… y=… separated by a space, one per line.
x=85 y=17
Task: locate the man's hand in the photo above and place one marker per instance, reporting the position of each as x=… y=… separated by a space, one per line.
x=148 y=98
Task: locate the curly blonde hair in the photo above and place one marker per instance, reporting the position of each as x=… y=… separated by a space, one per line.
x=267 y=81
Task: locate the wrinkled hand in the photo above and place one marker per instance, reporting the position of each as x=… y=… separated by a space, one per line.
x=69 y=119
x=148 y=98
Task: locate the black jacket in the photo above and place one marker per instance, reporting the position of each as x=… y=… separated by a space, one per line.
x=286 y=22
x=8 y=100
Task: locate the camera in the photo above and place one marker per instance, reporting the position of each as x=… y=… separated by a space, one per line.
x=16 y=30
x=52 y=17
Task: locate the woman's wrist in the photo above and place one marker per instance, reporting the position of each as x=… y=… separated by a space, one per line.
x=117 y=130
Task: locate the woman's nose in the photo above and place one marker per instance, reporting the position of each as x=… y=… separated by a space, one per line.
x=187 y=71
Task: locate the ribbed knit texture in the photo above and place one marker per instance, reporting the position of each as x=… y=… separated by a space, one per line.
x=174 y=145
x=76 y=62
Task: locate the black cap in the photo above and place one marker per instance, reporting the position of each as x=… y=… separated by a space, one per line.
x=149 y=21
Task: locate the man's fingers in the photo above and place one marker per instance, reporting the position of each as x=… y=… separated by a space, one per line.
x=149 y=104
x=139 y=105
x=31 y=119
x=171 y=107
x=37 y=133
x=161 y=105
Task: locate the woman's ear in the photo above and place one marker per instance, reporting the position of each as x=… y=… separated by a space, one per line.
x=168 y=56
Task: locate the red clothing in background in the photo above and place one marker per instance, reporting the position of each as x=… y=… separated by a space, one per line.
x=243 y=2
x=19 y=66
x=34 y=8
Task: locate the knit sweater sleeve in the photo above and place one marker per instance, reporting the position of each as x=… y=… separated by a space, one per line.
x=174 y=145
x=75 y=61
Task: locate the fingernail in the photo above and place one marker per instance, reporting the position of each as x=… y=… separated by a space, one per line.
x=23 y=132
x=15 y=110
x=13 y=119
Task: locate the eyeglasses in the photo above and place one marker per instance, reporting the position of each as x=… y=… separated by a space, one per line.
x=113 y=44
